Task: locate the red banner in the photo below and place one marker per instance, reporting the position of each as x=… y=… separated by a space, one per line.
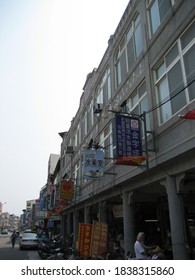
x=131 y=160
x=84 y=242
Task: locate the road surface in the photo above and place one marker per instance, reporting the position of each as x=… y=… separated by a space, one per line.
x=9 y=253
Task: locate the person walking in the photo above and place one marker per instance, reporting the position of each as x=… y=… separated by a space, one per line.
x=13 y=238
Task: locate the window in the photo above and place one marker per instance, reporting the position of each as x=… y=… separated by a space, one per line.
x=84 y=125
x=128 y=51
x=77 y=136
x=189 y=58
x=77 y=174
x=174 y=73
x=158 y=10
x=138 y=103
x=90 y=115
x=103 y=90
x=106 y=142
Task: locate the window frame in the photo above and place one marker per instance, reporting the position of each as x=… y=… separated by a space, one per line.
x=125 y=49
x=159 y=79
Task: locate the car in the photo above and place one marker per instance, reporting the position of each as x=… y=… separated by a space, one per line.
x=29 y=240
x=21 y=234
x=28 y=230
x=4 y=231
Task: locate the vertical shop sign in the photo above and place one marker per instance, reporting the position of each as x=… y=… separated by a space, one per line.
x=99 y=239
x=93 y=164
x=67 y=190
x=127 y=136
x=84 y=240
x=42 y=201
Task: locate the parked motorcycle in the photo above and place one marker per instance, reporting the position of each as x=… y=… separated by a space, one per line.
x=47 y=248
x=58 y=254
x=63 y=253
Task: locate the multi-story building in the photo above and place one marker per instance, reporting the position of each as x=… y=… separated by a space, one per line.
x=146 y=72
x=53 y=204
x=9 y=221
x=5 y=220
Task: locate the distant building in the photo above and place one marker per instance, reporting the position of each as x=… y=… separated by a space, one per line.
x=9 y=221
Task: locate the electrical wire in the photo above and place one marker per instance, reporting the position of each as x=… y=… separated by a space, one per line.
x=171 y=97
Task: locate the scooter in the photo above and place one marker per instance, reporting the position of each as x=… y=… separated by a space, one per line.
x=47 y=248
x=58 y=254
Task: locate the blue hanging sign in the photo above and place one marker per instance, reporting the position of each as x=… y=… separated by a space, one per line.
x=127 y=136
x=93 y=164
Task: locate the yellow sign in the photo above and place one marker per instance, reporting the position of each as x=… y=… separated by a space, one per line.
x=99 y=238
x=67 y=190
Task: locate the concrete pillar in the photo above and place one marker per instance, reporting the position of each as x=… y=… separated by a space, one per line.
x=75 y=227
x=128 y=223
x=177 y=221
x=103 y=217
x=87 y=216
x=69 y=227
x=63 y=225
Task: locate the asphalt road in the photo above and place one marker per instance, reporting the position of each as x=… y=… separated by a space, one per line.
x=9 y=253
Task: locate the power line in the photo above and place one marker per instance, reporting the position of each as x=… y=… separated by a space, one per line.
x=170 y=98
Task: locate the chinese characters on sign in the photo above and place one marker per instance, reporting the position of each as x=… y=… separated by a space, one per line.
x=84 y=242
x=93 y=164
x=127 y=136
x=99 y=238
x=67 y=190
x=92 y=238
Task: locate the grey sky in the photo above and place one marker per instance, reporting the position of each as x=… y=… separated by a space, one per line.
x=47 y=48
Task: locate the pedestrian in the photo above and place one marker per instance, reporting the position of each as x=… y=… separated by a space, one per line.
x=13 y=238
x=140 y=248
x=43 y=236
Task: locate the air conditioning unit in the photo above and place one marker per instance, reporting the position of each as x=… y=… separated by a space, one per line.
x=97 y=108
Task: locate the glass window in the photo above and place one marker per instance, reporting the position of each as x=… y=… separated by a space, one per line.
x=130 y=53
x=138 y=102
x=175 y=86
x=172 y=55
x=142 y=90
x=109 y=88
x=103 y=90
x=154 y=17
x=189 y=62
x=123 y=65
x=160 y=71
x=144 y=108
x=164 y=7
x=163 y=94
x=173 y=76
x=129 y=49
x=135 y=99
x=138 y=40
x=157 y=12
x=89 y=115
x=106 y=142
x=188 y=36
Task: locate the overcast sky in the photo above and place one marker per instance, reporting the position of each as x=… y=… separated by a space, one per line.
x=47 y=48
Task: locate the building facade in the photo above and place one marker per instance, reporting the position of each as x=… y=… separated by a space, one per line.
x=147 y=71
